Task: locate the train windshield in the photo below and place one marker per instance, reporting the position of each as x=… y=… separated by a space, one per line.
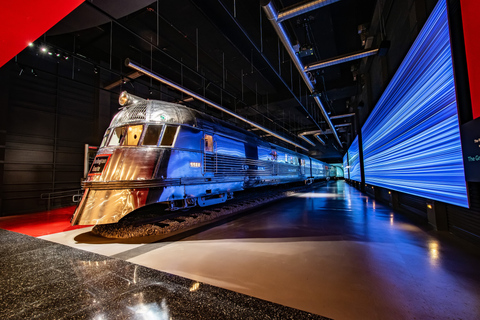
x=117 y=136
x=169 y=136
x=133 y=135
x=151 y=135
x=125 y=135
x=105 y=137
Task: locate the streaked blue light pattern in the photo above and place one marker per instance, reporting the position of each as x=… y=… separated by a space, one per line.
x=339 y=172
x=345 y=166
x=354 y=161
x=411 y=141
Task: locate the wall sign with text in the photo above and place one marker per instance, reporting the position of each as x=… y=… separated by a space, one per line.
x=471 y=149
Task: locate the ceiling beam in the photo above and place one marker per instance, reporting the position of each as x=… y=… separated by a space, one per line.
x=316 y=135
x=340 y=59
x=123 y=80
x=180 y=88
x=302 y=8
x=272 y=68
x=272 y=15
x=343 y=116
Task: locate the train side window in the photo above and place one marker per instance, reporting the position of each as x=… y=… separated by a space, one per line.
x=274 y=155
x=133 y=135
x=208 y=143
x=117 y=136
x=169 y=136
x=151 y=135
x=105 y=138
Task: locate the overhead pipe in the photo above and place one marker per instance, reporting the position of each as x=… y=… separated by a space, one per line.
x=311 y=132
x=123 y=80
x=338 y=60
x=343 y=125
x=272 y=15
x=316 y=135
x=260 y=52
x=306 y=139
x=346 y=115
x=180 y=88
x=303 y=8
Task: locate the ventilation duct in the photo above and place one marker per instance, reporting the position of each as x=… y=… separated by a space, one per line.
x=180 y=88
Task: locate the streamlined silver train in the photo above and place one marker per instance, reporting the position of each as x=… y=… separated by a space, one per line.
x=161 y=152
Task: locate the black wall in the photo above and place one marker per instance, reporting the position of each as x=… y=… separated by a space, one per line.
x=47 y=116
x=401 y=21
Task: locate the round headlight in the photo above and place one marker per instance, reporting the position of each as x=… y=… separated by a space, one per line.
x=123 y=99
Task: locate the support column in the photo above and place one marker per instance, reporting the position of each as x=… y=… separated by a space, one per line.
x=360 y=151
x=437 y=215
x=4 y=94
x=394 y=200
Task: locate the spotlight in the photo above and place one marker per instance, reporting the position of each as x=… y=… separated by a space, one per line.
x=50 y=53
x=30 y=44
x=58 y=54
x=65 y=57
x=95 y=70
x=43 y=49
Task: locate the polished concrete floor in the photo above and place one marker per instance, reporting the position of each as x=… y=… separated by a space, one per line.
x=332 y=251
x=44 y=280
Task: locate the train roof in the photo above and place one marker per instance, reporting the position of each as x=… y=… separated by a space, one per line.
x=157 y=111
x=141 y=110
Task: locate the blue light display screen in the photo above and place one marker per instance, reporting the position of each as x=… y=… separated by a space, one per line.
x=411 y=140
x=345 y=166
x=354 y=161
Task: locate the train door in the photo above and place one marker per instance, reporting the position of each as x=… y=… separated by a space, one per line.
x=273 y=155
x=310 y=167
x=302 y=166
x=209 y=154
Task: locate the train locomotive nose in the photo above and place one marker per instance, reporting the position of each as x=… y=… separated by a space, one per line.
x=121 y=187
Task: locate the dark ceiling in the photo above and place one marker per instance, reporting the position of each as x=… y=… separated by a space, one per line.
x=228 y=51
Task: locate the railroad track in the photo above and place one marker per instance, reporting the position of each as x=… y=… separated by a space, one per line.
x=155 y=220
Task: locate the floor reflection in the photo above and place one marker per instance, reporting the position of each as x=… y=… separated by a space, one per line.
x=339 y=253
x=332 y=251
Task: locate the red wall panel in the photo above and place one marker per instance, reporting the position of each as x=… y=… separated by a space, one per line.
x=471 y=30
x=24 y=21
